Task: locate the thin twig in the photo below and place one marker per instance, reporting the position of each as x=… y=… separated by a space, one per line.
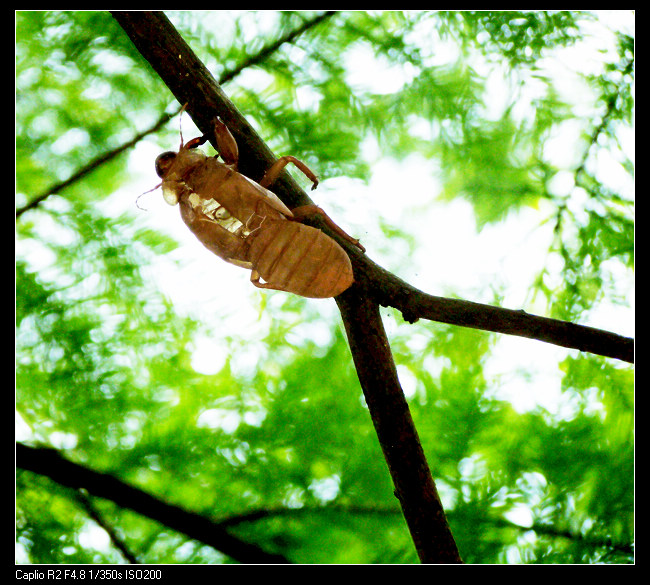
x=93 y=164
x=390 y=291
x=350 y=510
x=91 y=510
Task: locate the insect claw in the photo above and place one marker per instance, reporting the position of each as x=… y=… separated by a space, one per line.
x=304 y=211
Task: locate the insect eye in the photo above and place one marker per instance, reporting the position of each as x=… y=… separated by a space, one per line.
x=163 y=162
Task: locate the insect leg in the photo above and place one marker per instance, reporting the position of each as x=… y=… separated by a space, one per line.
x=195 y=142
x=226 y=143
x=276 y=168
x=300 y=213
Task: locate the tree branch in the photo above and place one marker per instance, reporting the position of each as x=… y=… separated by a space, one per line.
x=592 y=541
x=398 y=437
x=91 y=510
x=390 y=291
x=189 y=80
x=50 y=463
x=191 y=83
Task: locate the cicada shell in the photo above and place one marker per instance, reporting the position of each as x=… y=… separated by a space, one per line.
x=246 y=224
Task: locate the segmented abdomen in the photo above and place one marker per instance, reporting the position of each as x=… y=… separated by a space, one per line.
x=300 y=259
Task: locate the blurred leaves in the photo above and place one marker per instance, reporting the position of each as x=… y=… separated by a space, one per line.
x=485 y=172
x=276 y=440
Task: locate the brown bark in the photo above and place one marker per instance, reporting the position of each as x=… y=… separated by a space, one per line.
x=390 y=291
x=398 y=437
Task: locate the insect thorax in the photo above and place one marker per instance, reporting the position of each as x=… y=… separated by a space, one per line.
x=216 y=212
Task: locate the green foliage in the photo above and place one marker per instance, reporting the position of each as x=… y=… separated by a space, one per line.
x=519 y=36
x=78 y=83
x=274 y=441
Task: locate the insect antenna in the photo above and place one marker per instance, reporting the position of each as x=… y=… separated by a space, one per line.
x=141 y=194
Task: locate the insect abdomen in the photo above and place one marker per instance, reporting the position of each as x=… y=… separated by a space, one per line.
x=300 y=259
